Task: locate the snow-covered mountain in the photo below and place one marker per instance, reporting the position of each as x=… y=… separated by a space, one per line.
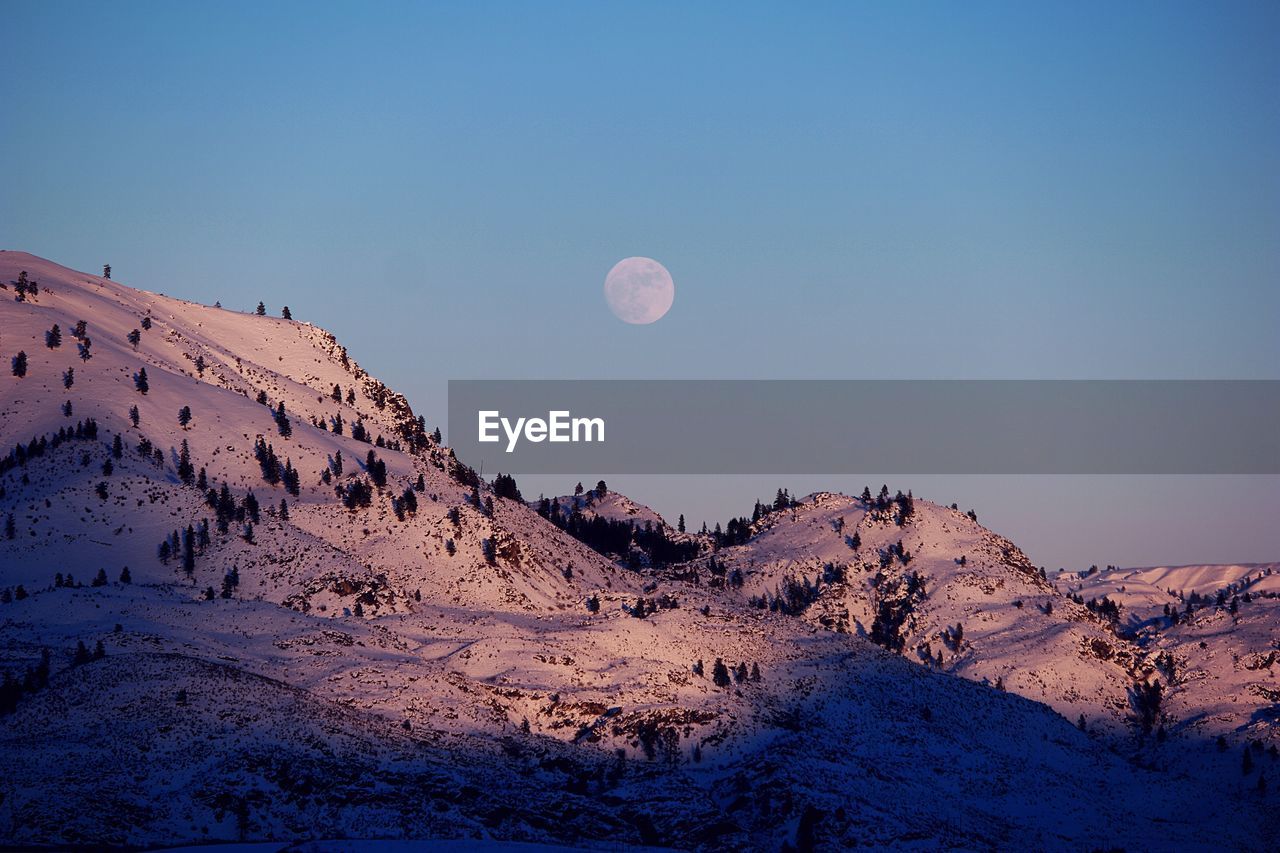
x=1214 y=634
x=385 y=647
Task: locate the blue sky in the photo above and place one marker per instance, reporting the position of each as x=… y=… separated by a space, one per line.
x=839 y=190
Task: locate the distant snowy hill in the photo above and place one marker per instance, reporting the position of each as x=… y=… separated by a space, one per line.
x=1214 y=632
x=249 y=640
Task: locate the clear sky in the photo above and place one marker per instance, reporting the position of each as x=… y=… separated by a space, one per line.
x=889 y=190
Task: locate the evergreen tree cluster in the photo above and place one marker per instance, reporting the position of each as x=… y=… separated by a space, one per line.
x=607 y=536
x=504 y=486
x=25 y=287
x=895 y=551
x=21 y=454
x=185 y=545
x=791 y=598
x=376 y=468
x=1146 y=699
x=275 y=473
x=355 y=494
x=723 y=675
x=895 y=602
x=405 y=504
x=35 y=679
x=9 y=595
x=283 y=425
x=649 y=606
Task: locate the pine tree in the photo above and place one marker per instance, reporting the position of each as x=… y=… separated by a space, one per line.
x=125 y=577
x=680 y=523
x=134 y=338
x=20 y=364
x=53 y=337
x=282 y=421
x=720 y=674
x=68 y=377
x=140 y=381
x=146 y=323
x=261 y=310
x=284 y=509
x=286 y=314
x=82 y=349
x=106 y=271
x=186 y=471
x=200 y=365
x=184 y=416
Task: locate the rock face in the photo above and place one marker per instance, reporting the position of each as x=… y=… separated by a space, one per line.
x=295 y=615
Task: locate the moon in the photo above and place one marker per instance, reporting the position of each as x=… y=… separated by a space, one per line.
x=639 y=290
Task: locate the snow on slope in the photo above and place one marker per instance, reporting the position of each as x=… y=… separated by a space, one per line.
x=474 y=695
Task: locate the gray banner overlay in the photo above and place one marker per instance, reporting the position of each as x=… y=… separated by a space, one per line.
x=870 y=426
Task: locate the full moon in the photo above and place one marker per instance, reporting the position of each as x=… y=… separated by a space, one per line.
x=639 y=290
